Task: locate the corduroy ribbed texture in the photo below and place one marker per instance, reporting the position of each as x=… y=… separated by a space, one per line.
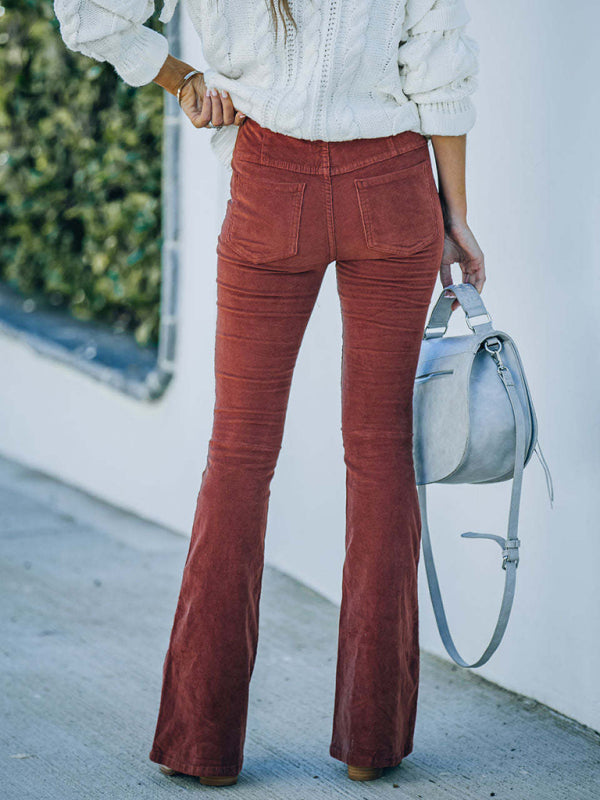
x=360 y=69
x=372 y=207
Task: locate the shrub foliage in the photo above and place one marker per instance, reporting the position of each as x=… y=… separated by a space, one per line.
x=80 y=176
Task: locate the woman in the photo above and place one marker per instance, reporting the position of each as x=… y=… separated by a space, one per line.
x=326 y=129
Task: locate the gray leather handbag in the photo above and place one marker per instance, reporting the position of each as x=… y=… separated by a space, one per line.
x=473 y=422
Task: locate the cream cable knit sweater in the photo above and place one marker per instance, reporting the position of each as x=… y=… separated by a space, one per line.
x=354 y=69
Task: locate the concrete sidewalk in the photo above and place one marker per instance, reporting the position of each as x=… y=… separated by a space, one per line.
x=88 y=597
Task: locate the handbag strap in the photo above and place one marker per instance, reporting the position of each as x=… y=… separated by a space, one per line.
x=549 y=485
x=510 y=545
x=477 y=316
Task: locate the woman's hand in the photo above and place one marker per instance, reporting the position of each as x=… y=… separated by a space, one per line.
x=203 y=105
x=198 y=103
x=461 y=246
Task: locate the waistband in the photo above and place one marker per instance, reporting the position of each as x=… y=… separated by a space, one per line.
x=261 y=145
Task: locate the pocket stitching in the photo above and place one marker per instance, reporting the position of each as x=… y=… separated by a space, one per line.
x=292 y=242
x=367 y=218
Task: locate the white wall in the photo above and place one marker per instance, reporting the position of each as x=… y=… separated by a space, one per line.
x=533 y=204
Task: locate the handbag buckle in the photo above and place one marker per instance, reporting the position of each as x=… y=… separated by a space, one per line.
x=435 y=332
x=507 y=555
x=495 y=354
x=492 y=350
x=479 y=317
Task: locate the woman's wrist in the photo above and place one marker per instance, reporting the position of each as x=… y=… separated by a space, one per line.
x=450 y=156
x=455 y=214
x=172 y=73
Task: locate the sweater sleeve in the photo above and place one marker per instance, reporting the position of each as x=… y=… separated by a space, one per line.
x=113 y=31
x=438 y=62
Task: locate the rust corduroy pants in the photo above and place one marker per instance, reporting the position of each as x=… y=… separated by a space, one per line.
x=372 y=207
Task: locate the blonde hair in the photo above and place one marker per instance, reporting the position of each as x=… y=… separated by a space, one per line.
x=278 y=5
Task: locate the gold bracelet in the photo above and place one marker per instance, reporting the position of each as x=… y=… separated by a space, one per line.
x=184 y=81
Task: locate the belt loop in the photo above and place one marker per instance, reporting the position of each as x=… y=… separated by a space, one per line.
x=393 y=146
x=262 y=144
x=326 y=158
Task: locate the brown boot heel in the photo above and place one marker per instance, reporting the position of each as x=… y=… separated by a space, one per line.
x=364 y=773
x=207 y=780
x=218 y=780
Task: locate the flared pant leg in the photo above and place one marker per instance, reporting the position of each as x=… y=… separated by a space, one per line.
x=384 y=305
x=261 y=319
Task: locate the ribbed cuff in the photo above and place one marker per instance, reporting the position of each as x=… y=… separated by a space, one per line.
x=141 y=55
x=448 y=117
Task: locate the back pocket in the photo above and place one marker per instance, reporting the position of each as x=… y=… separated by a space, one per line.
x=262 y=221
x=400 y=210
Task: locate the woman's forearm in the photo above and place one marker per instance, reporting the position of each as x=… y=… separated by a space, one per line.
x=171 y=74
x=450 y=158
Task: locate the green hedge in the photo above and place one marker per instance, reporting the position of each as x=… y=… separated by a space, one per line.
x=80 y=176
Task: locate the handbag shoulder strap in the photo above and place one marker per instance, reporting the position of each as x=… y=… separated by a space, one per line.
x=510 y=545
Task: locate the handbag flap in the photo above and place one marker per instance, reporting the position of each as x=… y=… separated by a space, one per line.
x=441 y=405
